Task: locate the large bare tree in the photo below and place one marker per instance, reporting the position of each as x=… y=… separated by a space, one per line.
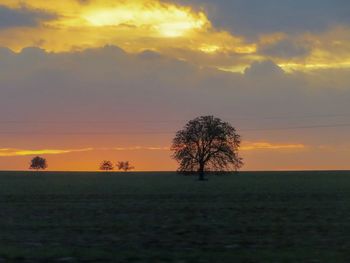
x=207 y=144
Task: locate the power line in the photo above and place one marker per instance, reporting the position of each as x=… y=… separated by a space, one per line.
x=166 y=121
x=112 y=133
x=300 y=127
x=87 y=122
x=84 y=133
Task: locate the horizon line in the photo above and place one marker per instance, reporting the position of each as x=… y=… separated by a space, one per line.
x=174 y=171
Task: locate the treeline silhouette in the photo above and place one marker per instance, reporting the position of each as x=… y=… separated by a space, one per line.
x=39 y=163
x=205 y=144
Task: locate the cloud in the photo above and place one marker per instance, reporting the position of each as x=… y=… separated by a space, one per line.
x=263 y=69
x=253 y=146
x=113 y=81
x=97 y=23
x=254 y=17
x=9 y=152
x=138 y=148
x=135 y=26
x=190 y=31
x=286 y=48
x=105 y=96
x=12 y=152
x=248 y=146
x=22 y=17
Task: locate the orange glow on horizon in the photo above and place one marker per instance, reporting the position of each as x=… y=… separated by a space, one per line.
x=144 y=158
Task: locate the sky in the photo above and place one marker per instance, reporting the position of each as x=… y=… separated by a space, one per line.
x=83 y=81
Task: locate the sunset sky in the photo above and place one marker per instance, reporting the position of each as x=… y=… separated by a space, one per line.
x=82 y=81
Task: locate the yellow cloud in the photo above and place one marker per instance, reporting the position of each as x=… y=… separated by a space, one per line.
x=109 y=21
x=138 y=148
x=163 y=20
x=251 y=146
x=8 y=152
x=248 y=146
x=175 y=30
x=329 y=50
x=132 y=25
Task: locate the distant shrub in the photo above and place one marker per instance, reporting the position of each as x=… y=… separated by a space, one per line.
x=38 y=163
x=106 y=166
x=125 y=166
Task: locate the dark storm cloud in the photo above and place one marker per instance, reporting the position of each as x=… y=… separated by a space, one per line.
x=286 y=48
x=21 y=17
x=263 y=69
x=253 y=17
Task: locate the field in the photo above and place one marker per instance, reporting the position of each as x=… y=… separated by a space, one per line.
x=163 y=217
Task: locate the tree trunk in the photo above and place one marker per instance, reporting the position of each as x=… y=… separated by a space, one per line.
x=201 y=172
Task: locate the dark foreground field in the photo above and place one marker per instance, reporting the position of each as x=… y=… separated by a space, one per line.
x=162 y=217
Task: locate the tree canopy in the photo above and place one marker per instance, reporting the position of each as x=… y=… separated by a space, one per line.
x=125 y=166
x=38 y=163
x=106 y=166
x=205 y=144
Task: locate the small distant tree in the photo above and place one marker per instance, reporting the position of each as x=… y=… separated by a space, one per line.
x=207 y=144
x=38 y=163
x=125 y=166
x=106 y=166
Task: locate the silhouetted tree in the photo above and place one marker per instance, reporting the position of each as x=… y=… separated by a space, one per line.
x=125 y=166
x=106 y=166
x=207 y=144
x=38 y=163
x=238 y=164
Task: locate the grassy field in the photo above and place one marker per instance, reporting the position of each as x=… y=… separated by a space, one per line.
x=163 y=217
